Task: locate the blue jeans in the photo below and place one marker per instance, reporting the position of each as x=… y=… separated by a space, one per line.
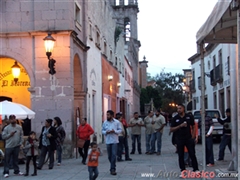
x=112 y=154
x=59 y=153
x=209 y=150
x=148 y=138
x=138 y=138
x=120 y=147
x=11 y=152
x=125 y=144
x=93 y=172
x=226 y=141
x=156 y=136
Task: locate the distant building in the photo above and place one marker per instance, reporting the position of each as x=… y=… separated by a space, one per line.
x=143 y=73
x=186 y=90
x=151 y=83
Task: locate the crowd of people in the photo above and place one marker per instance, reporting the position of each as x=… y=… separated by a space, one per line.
x=117 y=132
x=51 y=139
x=116 y=135
x=183 y=127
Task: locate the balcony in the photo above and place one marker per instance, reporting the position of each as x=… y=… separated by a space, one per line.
x=212 y=78
x=192 y=86
x=218 y=74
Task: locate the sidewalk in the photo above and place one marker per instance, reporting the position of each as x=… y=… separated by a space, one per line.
x=138 y=169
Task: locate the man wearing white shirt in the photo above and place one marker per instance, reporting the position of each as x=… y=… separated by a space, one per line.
x=111 y=128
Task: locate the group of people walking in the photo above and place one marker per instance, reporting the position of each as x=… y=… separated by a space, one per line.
x=51 y=139
x=116 y=133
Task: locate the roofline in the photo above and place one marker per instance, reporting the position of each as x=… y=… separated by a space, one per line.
x=208 y=49
x=187 y=70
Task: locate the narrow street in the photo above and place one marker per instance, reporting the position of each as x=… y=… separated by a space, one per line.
x=142 y=167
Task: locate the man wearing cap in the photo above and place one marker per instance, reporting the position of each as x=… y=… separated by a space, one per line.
x=47 y=144
x=13 y=136
x=226 y=138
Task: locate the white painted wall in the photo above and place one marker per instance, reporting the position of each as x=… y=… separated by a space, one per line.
x=227 y=50
x=100 y=19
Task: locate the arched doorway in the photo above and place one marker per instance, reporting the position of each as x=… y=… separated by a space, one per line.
x=79 y=94
x=15 y=91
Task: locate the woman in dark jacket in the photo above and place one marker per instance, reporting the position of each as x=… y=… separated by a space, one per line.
x=47 y=143
x=61 y=134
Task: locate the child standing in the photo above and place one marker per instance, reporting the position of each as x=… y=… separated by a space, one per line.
x=32 y=152
x=93 y=155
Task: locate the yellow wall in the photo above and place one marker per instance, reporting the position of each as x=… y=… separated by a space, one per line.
x=18 y=92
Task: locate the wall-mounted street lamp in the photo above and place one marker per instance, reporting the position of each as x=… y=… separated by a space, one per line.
x=118 y=84
x=16 y=71
x=49 y=45
x=110 y=77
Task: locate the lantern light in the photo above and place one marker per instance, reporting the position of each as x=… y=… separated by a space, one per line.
x=49 y=44
x=16 y=71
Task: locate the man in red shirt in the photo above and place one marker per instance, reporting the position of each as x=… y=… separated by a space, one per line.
x=84 y=132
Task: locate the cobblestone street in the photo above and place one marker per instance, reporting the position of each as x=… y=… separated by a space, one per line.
x=140 y=168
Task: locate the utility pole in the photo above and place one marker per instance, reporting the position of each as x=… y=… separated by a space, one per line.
x=202 y=49
x=234 y=81
x=236 y=160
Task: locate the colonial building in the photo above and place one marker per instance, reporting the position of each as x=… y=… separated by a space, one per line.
x=96 y=46
x=217 y=77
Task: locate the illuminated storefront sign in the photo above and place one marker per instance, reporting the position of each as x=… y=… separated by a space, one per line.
x=11 y=82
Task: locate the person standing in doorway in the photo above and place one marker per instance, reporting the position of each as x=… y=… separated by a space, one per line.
x=158 y=125
x=181 y=124
x=47 y=144
x=148 y=122
x=61 y=134
x=13 y=136
x=84 y=132
x=111 y=128
x=136 y=123
x=226 y=138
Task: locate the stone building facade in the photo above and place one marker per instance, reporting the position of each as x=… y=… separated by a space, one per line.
x=88 y=35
